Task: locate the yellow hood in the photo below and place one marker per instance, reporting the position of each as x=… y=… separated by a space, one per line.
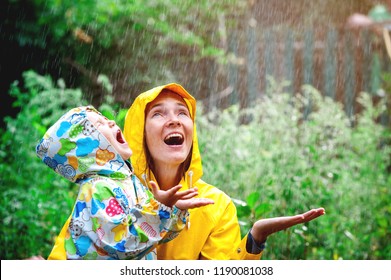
x=134 y=130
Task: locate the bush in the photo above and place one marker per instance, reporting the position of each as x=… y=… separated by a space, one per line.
x=35 y=201
x=294 y=153
x=283 y=156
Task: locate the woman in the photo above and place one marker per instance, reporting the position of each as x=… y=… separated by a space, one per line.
x=160 y=129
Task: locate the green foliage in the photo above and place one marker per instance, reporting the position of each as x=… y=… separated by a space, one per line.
x=109 y=108
x=35 y=201
x=276 y=158
x=285 y=159
x=133 y=42
x=169 y=18
x=379 y=13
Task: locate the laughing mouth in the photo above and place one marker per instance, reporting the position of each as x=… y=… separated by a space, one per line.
x=119 y=137
x=174 y=139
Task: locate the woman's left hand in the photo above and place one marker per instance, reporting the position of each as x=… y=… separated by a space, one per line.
x=265 y=227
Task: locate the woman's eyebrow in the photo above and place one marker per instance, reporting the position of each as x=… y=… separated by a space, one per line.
x=155 y=106
x=182 y=105
x=161 y=105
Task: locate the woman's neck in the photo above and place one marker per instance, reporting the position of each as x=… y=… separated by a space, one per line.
x=167 y=176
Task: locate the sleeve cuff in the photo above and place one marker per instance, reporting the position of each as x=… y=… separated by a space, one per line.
x=252 y=246
x=182 y=214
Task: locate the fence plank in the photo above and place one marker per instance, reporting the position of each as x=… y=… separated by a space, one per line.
x=308 y=57
x=330 y=68
x=252 y=65
x=289 y=61
x=339 y=62
x=233 y=73
x=349 y=74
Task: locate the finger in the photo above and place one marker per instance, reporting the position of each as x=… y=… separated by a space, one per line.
x=194 y=203
x=187 y=196
x=154 y=187
x=313 y=214
x=181 y=194
x=198 y=202
x=174 y=190
x=321 y=210
x=186 y=192
x=303 y=218
x=316 y=214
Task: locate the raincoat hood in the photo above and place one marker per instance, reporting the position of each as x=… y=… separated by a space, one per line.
x=211 y=232
x=134 y=130
x=75 y=149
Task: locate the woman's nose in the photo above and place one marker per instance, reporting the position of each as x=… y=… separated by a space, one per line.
x=174 y=120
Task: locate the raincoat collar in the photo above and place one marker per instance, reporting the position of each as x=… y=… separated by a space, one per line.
x=134 y=133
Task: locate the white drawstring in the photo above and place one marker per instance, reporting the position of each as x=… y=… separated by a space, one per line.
x=144 y=176
x=190 y=174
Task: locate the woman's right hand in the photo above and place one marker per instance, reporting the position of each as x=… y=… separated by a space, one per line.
x=181 y=199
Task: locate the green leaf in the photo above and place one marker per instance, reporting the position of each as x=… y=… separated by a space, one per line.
x=263 y=209
x=252 y=199
x=243 y=211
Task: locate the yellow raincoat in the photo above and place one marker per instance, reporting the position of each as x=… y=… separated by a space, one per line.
x=212 y=231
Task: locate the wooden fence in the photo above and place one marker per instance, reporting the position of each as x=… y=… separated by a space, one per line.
x=339 y=63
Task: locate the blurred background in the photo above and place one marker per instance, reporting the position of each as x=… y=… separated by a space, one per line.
x=294 y=108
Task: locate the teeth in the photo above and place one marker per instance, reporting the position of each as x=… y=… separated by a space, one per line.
x=173 y=135
x=174 y=139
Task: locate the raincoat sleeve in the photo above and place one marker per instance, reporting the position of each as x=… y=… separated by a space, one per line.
x=173 y=224
x=224 y=238
x=246 y=248
x=58 y=251
x=107 y=219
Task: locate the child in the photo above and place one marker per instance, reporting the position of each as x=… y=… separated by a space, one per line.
x=114 y=216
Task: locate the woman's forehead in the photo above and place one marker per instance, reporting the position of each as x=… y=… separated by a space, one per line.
x=164 y=96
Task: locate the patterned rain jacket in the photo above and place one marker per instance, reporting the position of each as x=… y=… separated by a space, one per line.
x=212 y=231
x=114 y=216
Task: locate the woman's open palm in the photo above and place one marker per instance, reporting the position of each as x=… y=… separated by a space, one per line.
x=265 y=227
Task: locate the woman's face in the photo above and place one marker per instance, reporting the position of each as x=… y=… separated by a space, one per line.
x=168 y=130
x=112 y=132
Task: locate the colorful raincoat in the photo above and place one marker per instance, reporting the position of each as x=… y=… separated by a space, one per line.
x=212 y=231
x=114 y=216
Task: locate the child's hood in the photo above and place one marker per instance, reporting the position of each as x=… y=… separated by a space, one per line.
x=75 y=149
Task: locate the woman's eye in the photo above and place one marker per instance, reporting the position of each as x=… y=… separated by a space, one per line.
x=156 y=114
x=183 y=113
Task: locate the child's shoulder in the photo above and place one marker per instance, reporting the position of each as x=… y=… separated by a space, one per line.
x=97 y=182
